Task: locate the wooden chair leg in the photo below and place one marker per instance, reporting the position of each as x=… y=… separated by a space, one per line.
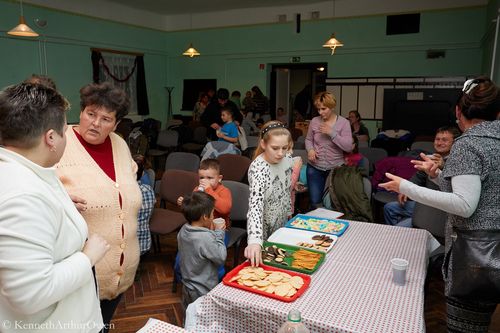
x=158 y=244
x=237 y=252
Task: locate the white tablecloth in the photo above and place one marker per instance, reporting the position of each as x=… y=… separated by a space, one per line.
x=351 y=292
x=158 y=326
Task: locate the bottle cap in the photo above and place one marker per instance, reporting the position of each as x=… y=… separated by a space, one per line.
x=294 y=315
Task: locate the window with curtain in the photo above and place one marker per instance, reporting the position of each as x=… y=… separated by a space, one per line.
x=126 y=72
x=119 y=69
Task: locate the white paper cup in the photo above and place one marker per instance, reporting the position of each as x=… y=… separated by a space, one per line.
x=399 y=267
x=218 y=222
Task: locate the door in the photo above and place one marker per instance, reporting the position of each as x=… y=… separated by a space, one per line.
x=283 y=95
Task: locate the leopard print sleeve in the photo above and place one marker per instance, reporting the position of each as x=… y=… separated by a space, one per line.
x=259 y=179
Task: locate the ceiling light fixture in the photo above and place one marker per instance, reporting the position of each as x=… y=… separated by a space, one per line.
x=22 y=29
x=332 y=43
x=191 y=51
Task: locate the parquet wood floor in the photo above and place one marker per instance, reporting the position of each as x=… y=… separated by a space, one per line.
x=151 y=296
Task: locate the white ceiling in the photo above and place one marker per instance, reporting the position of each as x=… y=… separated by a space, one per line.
x=203 y=6
x=171 y=15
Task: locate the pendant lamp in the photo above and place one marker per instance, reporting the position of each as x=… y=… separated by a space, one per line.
x=191 y=51
x=332 y=43
x=22 y=29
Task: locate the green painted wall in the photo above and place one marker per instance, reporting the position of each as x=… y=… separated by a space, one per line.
x=232 y=55
x=488 y=43
x=68 y=42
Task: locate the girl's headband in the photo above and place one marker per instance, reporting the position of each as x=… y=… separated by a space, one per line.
x=470 y=84
x=270 y=127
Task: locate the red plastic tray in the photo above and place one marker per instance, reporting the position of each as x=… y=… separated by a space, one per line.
x=235 y=271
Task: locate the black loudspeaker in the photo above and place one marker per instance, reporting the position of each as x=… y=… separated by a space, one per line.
x=297 y=23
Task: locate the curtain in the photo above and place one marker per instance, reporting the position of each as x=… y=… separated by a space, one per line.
x=126 y=72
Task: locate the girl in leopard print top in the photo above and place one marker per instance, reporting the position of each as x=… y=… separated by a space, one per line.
x=269 y=177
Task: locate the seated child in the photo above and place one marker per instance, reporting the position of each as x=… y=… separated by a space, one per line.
x=211 y=183
x=201 y=249
x=229 y=131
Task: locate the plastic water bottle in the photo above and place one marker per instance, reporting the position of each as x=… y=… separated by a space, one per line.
x=293 y=324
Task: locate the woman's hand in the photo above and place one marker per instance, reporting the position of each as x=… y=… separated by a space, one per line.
x=325 y=128
x=95 y=248
x=311 y=155
x=80 y=203
x=438 y=159
x=402 y=199
x=427 y=165
x=392 y=184
x=254 y=253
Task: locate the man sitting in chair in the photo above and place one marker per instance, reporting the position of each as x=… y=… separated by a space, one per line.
x=400 y=212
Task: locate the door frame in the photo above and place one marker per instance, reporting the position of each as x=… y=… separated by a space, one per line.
x=313 y=67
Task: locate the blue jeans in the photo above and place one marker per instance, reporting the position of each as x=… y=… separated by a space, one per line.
x=395 y=214
x=316 y=183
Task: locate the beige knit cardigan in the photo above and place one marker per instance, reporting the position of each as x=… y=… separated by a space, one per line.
x=83 y=177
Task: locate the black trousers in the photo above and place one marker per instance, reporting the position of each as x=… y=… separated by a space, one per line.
x=108 y=308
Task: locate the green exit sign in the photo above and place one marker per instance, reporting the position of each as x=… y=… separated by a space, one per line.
x=295 y=59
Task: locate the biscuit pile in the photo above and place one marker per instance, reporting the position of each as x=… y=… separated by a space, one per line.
x=317 y=224
x=321 y=243
x=272 y=282
x=305 y=259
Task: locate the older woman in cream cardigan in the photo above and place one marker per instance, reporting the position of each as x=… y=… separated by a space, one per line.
x=98 y=171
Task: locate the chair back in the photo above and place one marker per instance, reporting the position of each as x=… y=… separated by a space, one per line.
x=168 y=139
x=182 y=161
x=365 y=166
x=200 y=135
x=367 y=187
x=373 y=155
x=233 y=167
x=430 y=219
x=176 y=183
x=302 y=153
x=252 y=141
x=423 y=145
x=299 y=145
x=240 y=193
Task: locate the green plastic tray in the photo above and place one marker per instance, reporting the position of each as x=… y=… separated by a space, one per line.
x=291 y=249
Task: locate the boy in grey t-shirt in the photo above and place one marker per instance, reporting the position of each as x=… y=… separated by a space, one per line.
x=201 y=247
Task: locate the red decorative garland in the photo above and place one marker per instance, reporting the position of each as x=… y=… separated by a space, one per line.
x=114 y=77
